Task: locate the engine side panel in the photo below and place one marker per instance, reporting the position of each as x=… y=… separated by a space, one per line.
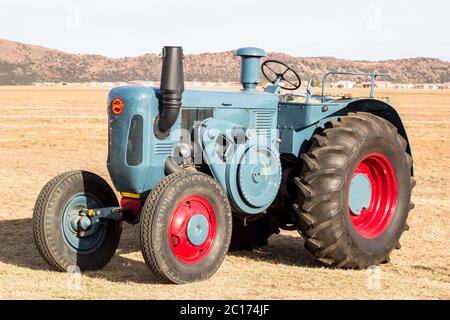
x=250 y=109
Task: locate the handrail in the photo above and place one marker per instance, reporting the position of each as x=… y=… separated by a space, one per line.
x=372 y=75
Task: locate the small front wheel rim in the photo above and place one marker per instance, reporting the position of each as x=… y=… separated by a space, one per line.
x=192 y=229
x=93 y=237
x=372 y=195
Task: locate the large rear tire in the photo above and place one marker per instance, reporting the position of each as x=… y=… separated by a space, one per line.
x=354 y=192
x=60 y=199
x=186 y=227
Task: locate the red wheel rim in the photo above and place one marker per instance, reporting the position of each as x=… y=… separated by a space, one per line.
x=190 y=208
x=374 y=220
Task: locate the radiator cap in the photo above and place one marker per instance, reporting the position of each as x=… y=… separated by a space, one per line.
x=250 y=52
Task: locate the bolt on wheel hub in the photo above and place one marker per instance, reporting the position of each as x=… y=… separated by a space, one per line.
x=197 y=229
x=78 y=231
x=80 y=223
x=360 y=193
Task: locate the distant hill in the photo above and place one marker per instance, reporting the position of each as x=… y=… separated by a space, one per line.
x=25 y=64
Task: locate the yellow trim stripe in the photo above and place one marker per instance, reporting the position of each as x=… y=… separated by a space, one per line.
x=131 y=195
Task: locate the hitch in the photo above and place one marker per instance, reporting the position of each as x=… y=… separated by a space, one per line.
x=109 y=213
x=88 y=217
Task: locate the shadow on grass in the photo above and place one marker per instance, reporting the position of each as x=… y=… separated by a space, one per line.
x=17 y=248
x=282 y=249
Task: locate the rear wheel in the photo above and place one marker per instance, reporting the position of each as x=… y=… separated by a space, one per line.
x=57 y=213
x=185 y=227
x=355 y=190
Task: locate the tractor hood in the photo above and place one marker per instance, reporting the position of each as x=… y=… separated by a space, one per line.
x=136 y=155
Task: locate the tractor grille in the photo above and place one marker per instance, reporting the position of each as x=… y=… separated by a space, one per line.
x=135 y=141
x=263 y=123
x=163 y=148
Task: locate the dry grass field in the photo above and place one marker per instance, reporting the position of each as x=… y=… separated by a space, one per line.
x=45 y=131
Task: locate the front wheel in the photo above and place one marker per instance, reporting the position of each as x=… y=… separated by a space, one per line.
x=355 y=190
x=56 y=217
x=185 y=228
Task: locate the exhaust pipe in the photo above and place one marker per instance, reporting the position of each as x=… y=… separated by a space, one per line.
x=172 y=87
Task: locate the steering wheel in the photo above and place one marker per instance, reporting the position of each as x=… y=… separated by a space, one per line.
x=275 y=70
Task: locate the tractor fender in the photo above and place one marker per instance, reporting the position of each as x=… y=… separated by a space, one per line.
x=381 y=109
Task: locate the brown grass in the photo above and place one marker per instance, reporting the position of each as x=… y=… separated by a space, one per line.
x=44 y=131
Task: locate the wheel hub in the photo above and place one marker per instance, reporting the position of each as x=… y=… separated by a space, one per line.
x=360 y=193
x=80 y=223
x=197 y=229
x=78 y=231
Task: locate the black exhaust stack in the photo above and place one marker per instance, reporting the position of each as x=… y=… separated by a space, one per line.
x=172 y=87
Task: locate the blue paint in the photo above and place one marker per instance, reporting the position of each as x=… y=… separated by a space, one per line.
x=259 y=176
x=240 y=106
x=137 y=179
x=228 y=100
x=93 y=237
x=250 y=66
x=250 y=52
x=245 y=196
x=197 y=229
x=298 y=122
x=283 y=128
x=360 y=193
x=261 y=111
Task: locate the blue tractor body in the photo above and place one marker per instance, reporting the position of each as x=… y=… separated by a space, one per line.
x=206 y=171
x=137 y=157
x=245 y=109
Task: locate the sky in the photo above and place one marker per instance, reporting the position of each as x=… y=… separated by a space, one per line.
x=350 y=29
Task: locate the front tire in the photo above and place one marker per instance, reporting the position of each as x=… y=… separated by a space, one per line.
x=186 y=228
x=61 y=246
x=355 y=190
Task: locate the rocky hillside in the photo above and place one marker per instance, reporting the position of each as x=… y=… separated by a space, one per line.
x=25 y=64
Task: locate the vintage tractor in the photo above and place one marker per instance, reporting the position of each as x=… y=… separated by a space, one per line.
x=202 y=169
